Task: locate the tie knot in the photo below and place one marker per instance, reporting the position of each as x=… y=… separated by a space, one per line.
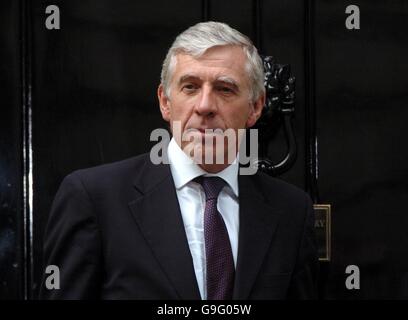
x=212 y=186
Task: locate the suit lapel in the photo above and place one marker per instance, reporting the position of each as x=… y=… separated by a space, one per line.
x=158 y=216
x=258 y=222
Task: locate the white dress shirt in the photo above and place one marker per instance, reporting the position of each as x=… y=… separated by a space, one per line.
x=191 y=199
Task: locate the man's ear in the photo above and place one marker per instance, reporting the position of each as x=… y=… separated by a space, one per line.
x=256 y=110
x=164 y=103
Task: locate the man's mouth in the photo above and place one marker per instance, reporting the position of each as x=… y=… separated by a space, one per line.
x=206 y=130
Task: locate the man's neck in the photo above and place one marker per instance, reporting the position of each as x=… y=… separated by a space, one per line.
x=213 y=168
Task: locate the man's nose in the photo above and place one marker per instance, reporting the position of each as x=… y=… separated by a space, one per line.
x=206 y=104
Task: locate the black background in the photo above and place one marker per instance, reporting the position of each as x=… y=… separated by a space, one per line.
x=86 y=95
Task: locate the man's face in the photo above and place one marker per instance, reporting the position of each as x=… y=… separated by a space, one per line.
x=211 y=92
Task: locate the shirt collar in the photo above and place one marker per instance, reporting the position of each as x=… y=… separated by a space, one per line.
x=183 y=169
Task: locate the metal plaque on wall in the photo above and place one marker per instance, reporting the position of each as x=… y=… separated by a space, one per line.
x=323 y=230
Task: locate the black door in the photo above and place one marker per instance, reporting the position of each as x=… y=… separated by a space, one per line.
x=85 y=94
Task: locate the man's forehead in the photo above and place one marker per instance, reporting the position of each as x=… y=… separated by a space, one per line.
x=217 y=64
x=226 y=54
x=198 y=77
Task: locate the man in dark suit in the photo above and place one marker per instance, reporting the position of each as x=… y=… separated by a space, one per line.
x=192 y=227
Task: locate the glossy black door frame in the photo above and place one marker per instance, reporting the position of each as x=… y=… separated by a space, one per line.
x=27 y=112
x=257 y=23
x=205 y=10
x=311 y=141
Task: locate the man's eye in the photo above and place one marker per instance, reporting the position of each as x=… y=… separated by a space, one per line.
x=225 y=90
x=189 y=87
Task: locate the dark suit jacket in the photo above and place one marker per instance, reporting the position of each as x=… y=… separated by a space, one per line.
x=115 y=232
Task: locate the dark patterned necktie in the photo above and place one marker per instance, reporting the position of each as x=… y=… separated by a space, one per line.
x=220 y=263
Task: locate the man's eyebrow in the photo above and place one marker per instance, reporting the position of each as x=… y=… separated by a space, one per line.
x=188 y=77
x=224 y=79
x=228 y=80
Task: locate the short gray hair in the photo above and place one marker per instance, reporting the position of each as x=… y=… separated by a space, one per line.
x=196 y=40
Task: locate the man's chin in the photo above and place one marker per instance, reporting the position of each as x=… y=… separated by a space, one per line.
x=209 y=155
